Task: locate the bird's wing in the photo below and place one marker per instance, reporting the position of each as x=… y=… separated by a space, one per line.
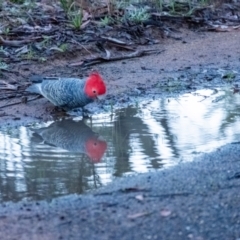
x=61 y=92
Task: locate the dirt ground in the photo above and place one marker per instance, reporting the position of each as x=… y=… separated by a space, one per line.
x=191 y=201
x=176 y=204
x=192 y=51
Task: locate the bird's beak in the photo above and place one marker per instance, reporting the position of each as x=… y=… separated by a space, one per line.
x=100 y=97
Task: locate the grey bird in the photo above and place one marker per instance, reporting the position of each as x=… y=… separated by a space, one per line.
x=69 y=93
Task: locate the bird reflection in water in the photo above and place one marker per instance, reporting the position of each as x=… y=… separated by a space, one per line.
x=72 y=136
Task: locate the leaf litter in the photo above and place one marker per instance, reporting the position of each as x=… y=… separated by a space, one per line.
x=104 y=30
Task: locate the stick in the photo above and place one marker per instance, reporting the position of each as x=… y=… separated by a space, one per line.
x=12 y=104
x=96 y=60
x=17 y=43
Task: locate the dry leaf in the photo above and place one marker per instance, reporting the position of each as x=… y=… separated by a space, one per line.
x=137 y=215
x=139 y=197
x=85 y=24
x=6 y=86
x=225 y=28
x=165 y=212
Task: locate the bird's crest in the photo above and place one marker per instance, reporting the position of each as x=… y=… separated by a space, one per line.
x=95 y=85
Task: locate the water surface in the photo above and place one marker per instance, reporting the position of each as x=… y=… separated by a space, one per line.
x=73 y=156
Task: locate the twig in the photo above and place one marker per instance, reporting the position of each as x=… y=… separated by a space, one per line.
x=7 y=86
x=96 y=60
x=75 y=42
x=19 y=102
x=17 y=43
x=121 y=46
x=114 y=40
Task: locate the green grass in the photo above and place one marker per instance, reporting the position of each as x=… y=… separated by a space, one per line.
x=106 y=21
x=64 y=47
x=75 y=19
x=30 y=54
x=66 y=5
x=137 y=15
x=17 y=13
x=133 y=10
x=3 y=65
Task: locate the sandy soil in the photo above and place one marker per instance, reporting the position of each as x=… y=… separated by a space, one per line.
x=193 y=50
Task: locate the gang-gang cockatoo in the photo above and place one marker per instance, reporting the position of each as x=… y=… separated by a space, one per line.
x=69 y=93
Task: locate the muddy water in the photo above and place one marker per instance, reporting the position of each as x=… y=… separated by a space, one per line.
x=73 y=156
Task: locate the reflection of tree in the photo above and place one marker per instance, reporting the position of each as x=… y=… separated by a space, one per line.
x=168 y=133
x=7 y=185
x=127 y=123
x=120 y=136
x=9 y=170
x=47 y=178
x=230 y=105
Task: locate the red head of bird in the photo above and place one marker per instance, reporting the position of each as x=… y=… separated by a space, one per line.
x=94 y=86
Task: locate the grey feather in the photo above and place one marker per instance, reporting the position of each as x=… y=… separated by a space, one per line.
x=35 y=88
x=36 y=78
x=67 y=93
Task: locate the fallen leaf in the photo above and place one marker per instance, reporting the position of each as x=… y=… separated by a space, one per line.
x=165 y=212
x=6 y=86
x=84 y=25
x=137 y=215
x=139 y=197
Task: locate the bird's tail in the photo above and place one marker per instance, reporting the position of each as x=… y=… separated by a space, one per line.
x=36 y=78
x=35 y=88
x=39 y=78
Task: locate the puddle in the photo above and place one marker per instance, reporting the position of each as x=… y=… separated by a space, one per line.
x=64 y=157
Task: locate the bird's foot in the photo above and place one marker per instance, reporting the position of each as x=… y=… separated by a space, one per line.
x=80 y=112
x=57 y=112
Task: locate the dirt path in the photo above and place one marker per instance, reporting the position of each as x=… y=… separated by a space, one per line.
x=194 y=52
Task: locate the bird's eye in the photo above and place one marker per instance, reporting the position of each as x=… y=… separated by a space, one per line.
x=94 y=91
